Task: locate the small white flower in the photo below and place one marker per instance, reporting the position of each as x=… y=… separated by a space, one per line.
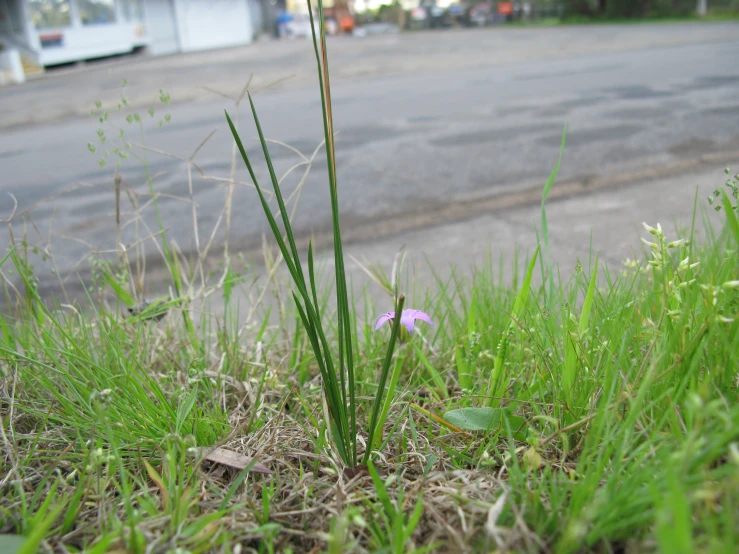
x=676 y=243
x=656 y=232
x=649 y=244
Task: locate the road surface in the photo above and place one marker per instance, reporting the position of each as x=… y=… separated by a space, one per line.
x=406 y=140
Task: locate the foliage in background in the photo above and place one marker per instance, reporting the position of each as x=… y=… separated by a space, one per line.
x=637 y=9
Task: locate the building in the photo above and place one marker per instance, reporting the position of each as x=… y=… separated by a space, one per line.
x=52 y=32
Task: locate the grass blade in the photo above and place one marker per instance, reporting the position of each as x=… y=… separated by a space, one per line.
x=544 y=227
x=588 y=303
x=497 y=386
x=569 y=372
x=730 y=215
x=433 y=372
x=346 y=358
x=371 y=430
x=381 y=491
x=267 y=212
x=300 y=279
x=389 y=398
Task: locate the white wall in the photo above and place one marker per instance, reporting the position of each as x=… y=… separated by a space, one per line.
x=213 y=24
x=80 y=42
x=161 y=24
x=89 y=42
x=171 y=26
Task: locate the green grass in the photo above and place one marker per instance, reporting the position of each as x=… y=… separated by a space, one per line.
x=591 y=412
x=715 y=15
x=613 y=421
x=337 y=369
x=727 y=14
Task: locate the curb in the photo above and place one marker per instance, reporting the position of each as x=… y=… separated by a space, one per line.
x=470 y=206
x=363 y=230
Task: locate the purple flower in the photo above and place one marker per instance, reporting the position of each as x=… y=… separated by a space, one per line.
x=407 y=319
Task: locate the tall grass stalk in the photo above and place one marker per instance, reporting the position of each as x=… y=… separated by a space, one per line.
x=337 y=371
x=546 y=254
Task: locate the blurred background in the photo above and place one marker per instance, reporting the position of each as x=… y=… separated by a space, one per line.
x=53 y=32
x=444 y=112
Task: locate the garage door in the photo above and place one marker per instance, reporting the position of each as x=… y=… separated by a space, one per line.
x=214 y=24
x=161 y=26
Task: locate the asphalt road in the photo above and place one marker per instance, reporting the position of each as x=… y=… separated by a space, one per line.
x=404 y=141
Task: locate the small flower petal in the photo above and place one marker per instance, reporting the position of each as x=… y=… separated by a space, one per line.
x=407 y=321
x=409 y=317
x=384 y=318
x=417 y=314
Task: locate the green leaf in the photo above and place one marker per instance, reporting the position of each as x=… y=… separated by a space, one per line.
x=73 y=508
x=120 y=292
x=197 y=529
x=381 y=491
x=383 y=378
x=730 y=215
x=517 y=425
x=588 y=304
x=497 y=386
x=44 y=520
x=312 y=277
x=474 y=419
x=389 y=397
x=185 y=407
x=433 y=372
x=532 y=459
x=430 y=461
x=8 y=255
x=339 y=440
x=471 y=317
x=570 y=366
x=544 y=194
x=228 y=283
x=570 y=371
x=102 y=545
x=463 y=369
x=156 y=309
x=523 y=294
